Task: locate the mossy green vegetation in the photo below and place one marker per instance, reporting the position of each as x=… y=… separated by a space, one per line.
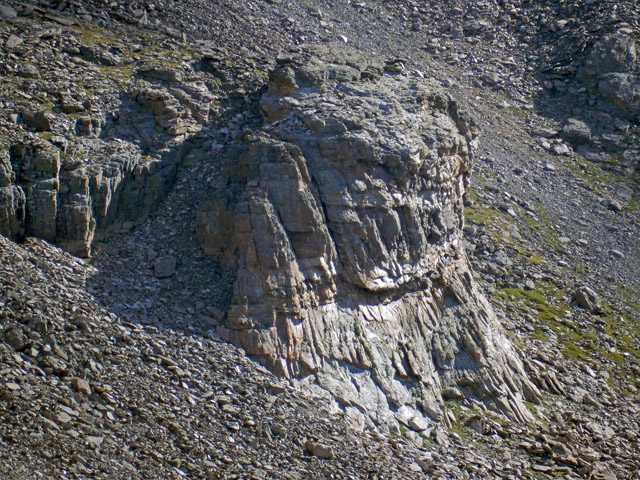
x=45 y=135
x=546 y=301
x=458 y=426
x=91 y=34
x=578 y=339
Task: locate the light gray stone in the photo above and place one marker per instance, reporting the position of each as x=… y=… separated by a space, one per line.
x=353 y=191
x=7 y=12
x=587 y=298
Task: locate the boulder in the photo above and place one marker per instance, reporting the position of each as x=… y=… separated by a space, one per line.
x=164 y=266
x=585 y=297
x=623 y=90
x=575 y=132
x=616 y=52
x=37 y=119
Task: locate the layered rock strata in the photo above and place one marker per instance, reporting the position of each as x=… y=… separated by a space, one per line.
x=94 y=130
x=342 y=218
x=67 y=199
x=70 y=193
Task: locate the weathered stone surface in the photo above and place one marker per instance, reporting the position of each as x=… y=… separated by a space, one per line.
x=12 y=201
x=319 y=450
x=623 y=90
x=81 y=385
x=165 y=266
x=343 y=220
x=37 y=166
x=67 y=200
x=575 y=132
x=612 y=69
x=7 y=12
x=616 y=52
x=38 y=119
x=587 y=298
x=15 y=337
x=154 y=388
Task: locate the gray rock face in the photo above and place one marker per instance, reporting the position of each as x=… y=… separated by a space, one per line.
x=36 y=168
x=623 y=90
x=616 y=52
x=7 y=12
x=12 y=200
x=575 y=132
x=612 y=68
x=343 y=221
x=65 y=199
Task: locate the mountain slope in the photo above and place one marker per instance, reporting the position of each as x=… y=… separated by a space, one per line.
x=105 y=112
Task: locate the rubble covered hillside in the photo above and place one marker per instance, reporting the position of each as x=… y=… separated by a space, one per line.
x=319 y=239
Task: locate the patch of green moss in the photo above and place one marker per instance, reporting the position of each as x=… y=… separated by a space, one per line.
x=357 y=330
x=548 y=304
x=571 y=351
x=544 y=300
x=539 y=334
x=91 y=34
x=46 y=135
x=515 y=340
x=535 y=259
x=532 y=408
x=460 y=430
x=481 y=215
x=121 y=75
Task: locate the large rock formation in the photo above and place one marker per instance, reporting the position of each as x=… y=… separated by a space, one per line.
x=70 y=194
x=343 y=220
x=12 y=200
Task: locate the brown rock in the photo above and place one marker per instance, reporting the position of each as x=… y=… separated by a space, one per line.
x=81 y=385
x=38 y=119
x=346 y=205
x=319 y=450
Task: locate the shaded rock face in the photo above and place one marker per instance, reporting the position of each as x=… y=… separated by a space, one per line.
x=612 y=68
x=343 y=221
x=64 y=199
x=623 y=90
x=12 y=200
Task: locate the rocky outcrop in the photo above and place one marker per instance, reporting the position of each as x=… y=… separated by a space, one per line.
x=12 y=200
x=342 y=219
x=612 y=68
x=64 y=198
x=623 y=90
x=96 y=149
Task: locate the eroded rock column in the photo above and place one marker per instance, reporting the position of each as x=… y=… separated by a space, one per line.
x=343 y=219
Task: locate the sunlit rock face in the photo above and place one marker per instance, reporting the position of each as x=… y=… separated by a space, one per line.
x=342 y=219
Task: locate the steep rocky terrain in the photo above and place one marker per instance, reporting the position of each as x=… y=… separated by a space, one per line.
x=290 y=177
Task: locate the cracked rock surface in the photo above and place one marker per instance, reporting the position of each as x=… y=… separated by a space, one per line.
x=343 y=223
